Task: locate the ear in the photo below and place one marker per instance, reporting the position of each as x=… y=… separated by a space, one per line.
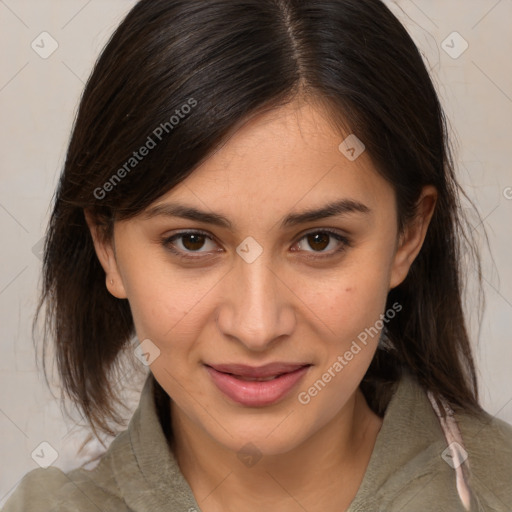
x=413 y=236
x=105 y=251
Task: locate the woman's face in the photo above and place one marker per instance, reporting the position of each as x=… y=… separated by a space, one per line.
x=235 y=281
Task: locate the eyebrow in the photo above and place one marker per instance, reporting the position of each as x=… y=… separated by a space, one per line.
x=332 y=209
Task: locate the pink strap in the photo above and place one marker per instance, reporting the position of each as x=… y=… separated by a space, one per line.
x=456 y=449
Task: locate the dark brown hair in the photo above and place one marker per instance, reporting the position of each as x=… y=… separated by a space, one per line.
x=232 y=59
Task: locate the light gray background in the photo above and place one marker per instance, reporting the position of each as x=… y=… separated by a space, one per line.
x=38 y=99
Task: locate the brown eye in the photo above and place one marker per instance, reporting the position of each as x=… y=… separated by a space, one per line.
x=323 y=243
x=193 y=241
x=318 y=241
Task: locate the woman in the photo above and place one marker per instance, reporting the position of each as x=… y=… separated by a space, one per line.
x=262 y=193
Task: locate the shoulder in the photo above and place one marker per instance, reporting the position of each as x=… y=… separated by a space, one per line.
x=488 y=443
x=51 y=489
x=488 y=439
x=412 y=463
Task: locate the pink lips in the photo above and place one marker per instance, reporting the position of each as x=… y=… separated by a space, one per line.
x=256 y=386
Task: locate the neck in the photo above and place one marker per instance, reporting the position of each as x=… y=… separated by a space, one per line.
x=322 y=473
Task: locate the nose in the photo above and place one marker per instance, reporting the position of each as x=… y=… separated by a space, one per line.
x=257 y=307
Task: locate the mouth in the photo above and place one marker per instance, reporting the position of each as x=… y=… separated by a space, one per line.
x=257 y=386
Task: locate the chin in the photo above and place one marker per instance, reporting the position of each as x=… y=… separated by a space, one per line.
x=275 y=434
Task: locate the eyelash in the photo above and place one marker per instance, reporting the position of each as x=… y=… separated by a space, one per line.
x=344 y=243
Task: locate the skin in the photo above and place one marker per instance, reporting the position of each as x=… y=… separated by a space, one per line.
x=284 y=306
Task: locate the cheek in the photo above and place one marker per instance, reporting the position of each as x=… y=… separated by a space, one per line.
x=353 y=314
x=352 y=298
x=351 y=303
x=167 y=304
x=172 y=312
x=354 y=317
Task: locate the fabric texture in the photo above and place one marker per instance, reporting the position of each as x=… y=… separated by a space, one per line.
x=408 y=470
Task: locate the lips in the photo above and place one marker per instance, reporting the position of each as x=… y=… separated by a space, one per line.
x=256 y=386
x=260 y=372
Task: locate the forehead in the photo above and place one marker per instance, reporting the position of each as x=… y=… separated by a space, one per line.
x=286 y=158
